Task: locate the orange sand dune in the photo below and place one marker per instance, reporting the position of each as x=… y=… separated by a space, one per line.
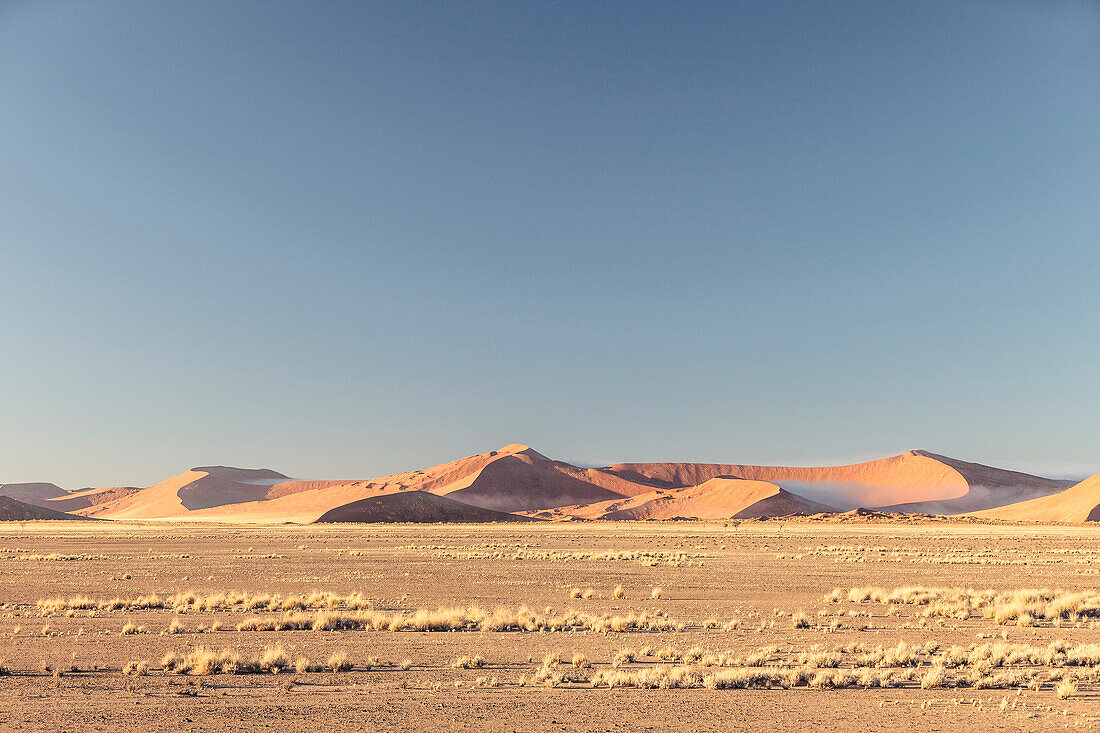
x=519 y=479
x=1079 y=503
x=32 y=493
x=989 y=487
x=513 y=478
x=199 y=488
x=721 y=497
x=915 y=476
x=415 y=506
x=74 y=500
x=525 y=480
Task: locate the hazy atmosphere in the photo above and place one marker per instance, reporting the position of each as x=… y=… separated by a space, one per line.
x=351 y=239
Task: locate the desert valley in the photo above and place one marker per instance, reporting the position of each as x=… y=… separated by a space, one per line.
x=786 y=304
x=512 y=588
x=516 y=483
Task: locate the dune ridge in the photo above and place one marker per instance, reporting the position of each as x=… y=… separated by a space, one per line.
x=516 y=480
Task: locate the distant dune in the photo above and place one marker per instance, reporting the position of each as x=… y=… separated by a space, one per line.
x=721 y=497
x=13 y=510
x=517 y=480
x=84 y=498
x=32 y=493
x=1078 y=503
x=987 y=488
x=912 y=476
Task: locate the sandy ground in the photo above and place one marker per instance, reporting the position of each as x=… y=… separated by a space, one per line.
x=749 y=572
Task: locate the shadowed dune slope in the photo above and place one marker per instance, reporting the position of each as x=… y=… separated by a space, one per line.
x=1078 y=503
x=721 y=497
x=414 y=506
x=32 y=493
x=13 y=510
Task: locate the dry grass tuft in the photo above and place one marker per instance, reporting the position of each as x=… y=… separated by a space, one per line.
x=136 y=669
x=273 y=659
x=339 y=662
x=474 y=662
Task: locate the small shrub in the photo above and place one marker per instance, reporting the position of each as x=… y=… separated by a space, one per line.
x=339 y=662
x=273 y=659
x=474 y=662
x=136 y=669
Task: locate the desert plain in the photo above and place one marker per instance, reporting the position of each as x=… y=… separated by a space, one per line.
x=777 y=624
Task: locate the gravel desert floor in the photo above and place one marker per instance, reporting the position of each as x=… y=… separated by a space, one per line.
x=579 y=626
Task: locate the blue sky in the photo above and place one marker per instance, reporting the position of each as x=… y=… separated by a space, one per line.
x=346 y=239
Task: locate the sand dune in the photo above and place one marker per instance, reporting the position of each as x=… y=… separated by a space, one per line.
x=526 y=480
x=414 y=506
x=74 y=500
x=1079 y=503
x=32 y=493
x=198 y=488
x=13 y=510
x=518 y=479
x=514 y=478
x=721 y=497
x=988 y=488
x=912 y=476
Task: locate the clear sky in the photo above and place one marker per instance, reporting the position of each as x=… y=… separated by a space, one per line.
x=346 y=239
